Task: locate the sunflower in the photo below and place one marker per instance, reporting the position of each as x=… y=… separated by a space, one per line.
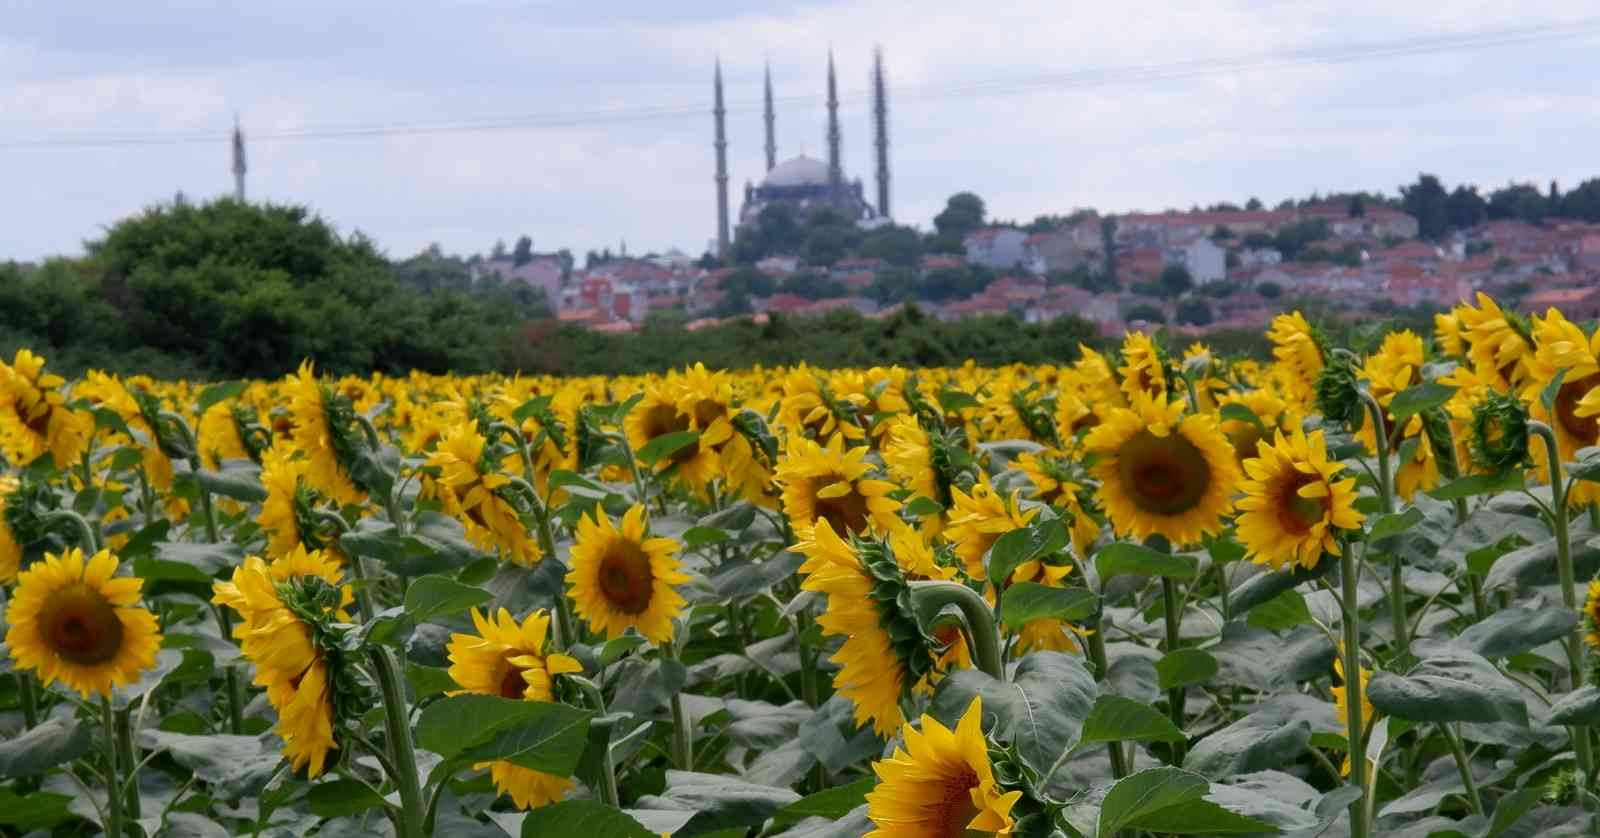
x=282 y=473
x=622 y=579
x=1565 y=351
x=474 y=493
x=72 y=622
x=941 y=784
x=1162 y=473
x=1045 y=634
x=289 y=653
x=884 y=652
x=1447 y=335
x=1498 y=343
x=1054 y=484
x=832 y=483
x=1591 y=613
x=323 y=444
x=1269 y=409
x=1298 y=350
x=810 y=407
x=10 y=550
x=1143 y=367
x=34 y=417
x=657 y=415
x=909 y=457
x=114 y=394
x=978 y=519
x=509 y=660
x=219 y=436
x=1340 y=691
x=1294 y=504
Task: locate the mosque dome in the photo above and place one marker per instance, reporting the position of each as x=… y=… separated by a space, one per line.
x=797 y=171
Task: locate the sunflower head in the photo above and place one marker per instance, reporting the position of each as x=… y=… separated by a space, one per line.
x=1338 y=394
x=1591 y=614
x=1295 y=503
x=1163 y=473
x=941 y=783
x=885 y=652
x=1341 y=701
x=621 y=578
x=73 y=620
x=833 y=483
x=1500 y=434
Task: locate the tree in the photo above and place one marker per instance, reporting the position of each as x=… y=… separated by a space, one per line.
x=1146 y=312
x=1427 y=201
x=894 y=244
x=1194 y=312
x=813 y=286
x=1520 y=202
x=748 y=281
x=1253 y=205
x=1108 y=244
x=499 y=251
x=1175 y=281
x=1465 y=209
x=1269 y=290
x=963 y=213
x=522 y=252
x=1358 y=206
x=893 y=285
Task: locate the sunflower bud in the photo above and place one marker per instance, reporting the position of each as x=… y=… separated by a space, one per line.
x=1436 y=427
x=1338 y=397
x=1500 y=433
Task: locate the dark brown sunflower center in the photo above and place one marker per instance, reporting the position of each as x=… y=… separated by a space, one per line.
x=846 y=513
x=1163 y=475
x=1297 y=514
x=512 y=684
x=625 y=578
x=80 y=625
x=1583 y=428
x=953 y=809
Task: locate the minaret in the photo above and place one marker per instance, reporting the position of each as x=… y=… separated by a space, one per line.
x=722 y=169
x=880 y=122
x=238 y=161
x=772 y=121
x=835 y=170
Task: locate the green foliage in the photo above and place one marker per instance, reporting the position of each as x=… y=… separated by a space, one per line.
x=1194 y=312
x=227 y=289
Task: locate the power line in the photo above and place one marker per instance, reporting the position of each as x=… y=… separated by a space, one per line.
x=983 y=88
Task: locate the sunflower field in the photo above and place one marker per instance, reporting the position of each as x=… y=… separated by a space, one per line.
x=1147 y=592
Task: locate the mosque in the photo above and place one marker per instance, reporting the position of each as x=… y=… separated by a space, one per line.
x=806 y=183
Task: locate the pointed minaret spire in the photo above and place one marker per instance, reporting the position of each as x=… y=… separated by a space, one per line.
x=772 y=121
x=880 y=122
x=722 y=168
x=835 y=169
x=238 y=160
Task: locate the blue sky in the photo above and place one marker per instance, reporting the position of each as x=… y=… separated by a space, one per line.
x=78 y=70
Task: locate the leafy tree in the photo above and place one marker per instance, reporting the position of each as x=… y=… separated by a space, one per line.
x=894 y=244
x=1253 y=205
x=1427 y=201
x=1194 y=312
x=499 y=251
x=1465 y=208
x=1083 y=277
x=1358 y=206
x=1294 y=238
x=748 y=281
x=1583 y=202
x=1270 y=290
x=963 y=213
x=1146 y=312
x=1520 y=202
x=522 y=252
x=1257 y=241
x=813 y=286
x=893 y=285
x=1175 y=281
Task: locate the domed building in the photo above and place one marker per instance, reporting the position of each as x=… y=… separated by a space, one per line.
x=802 y=183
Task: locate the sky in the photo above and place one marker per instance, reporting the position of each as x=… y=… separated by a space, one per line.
x=981 y=99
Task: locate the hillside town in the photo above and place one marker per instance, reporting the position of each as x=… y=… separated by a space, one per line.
x=1196 y=269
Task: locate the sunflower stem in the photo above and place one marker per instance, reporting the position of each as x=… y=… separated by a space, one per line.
x=1463 y=765
x=1354 y=694
x=1097 y=656
x=607 y=779
x=230 y=675
x=1173 y=617
x=108 y=718
x=682 y=736
x=88 y=539
x=1569 y=593
x=1397 y=591
x=566 y=630
x=30 y=699
x=402 y=754
x=929 y=596
x=128 y=764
